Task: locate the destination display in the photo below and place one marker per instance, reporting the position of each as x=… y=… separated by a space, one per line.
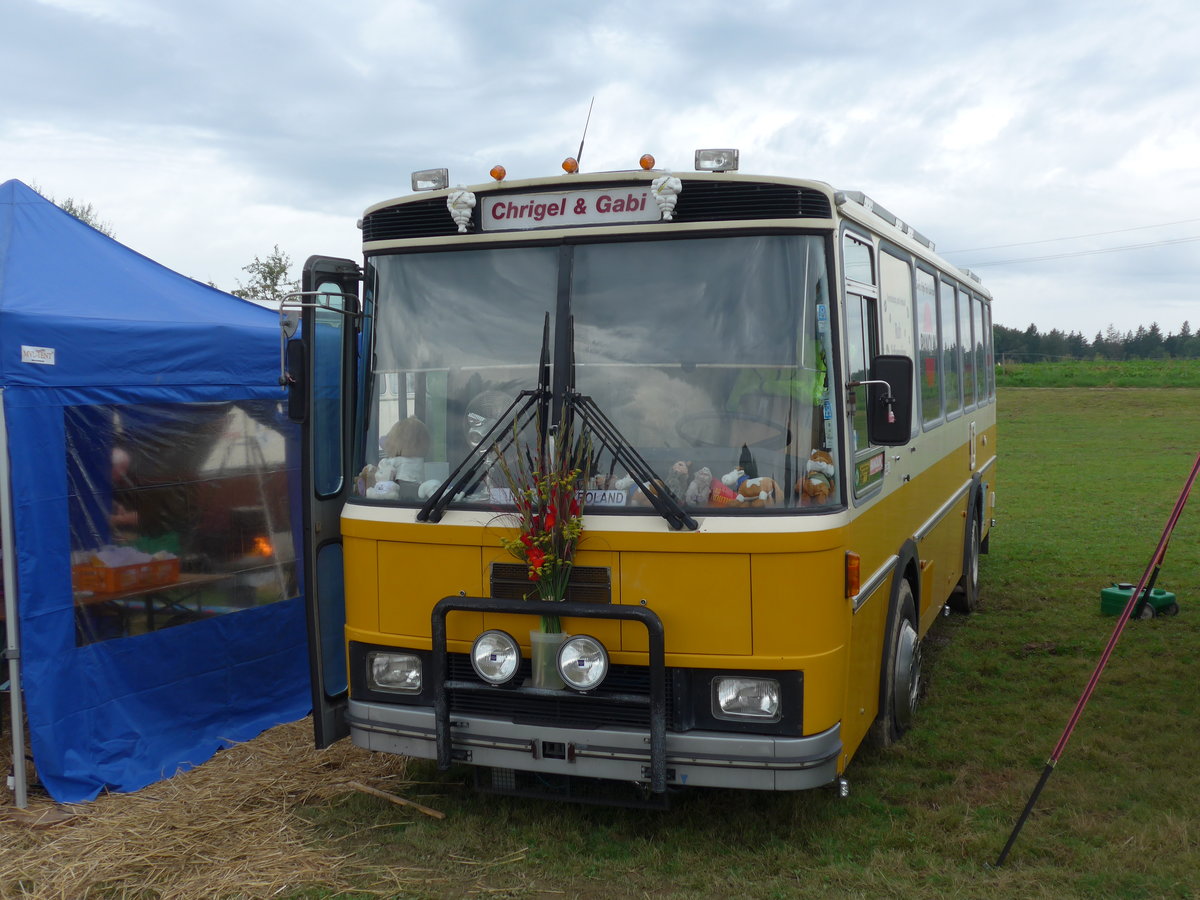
x=522 y=212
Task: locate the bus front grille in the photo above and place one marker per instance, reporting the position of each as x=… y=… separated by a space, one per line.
x=712 y=201
x=587 y=584
x=601 y=708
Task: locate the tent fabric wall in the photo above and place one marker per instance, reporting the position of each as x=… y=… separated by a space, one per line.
x=124 y=330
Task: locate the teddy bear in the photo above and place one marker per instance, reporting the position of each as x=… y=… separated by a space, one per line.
x=698 y=491
x=401 y=468
x=817 y=483
x=677 y=479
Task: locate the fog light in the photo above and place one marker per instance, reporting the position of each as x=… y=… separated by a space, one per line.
x=582 y=662
x=495 y=656
x=740 y=698
x=396 y=672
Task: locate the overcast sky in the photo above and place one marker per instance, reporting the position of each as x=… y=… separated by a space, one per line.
x=1053 y=147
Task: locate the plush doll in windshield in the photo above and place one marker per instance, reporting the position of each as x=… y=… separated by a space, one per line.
x=402 y=467
x=751 y=489
x=816 y=485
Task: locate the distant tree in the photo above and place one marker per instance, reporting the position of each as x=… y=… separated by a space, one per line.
x=1009 y=343
x=1077 y=346
x=1054 y=344
x=84 y=212
x=269 y=280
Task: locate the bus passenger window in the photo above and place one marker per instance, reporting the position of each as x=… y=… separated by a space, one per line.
x=929 y=373
x=966 y=342
x=951 y=364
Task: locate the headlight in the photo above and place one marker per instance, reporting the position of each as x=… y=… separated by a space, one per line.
x=741 y=698
x=582 y=662
x=398 y=672
x=495 y=656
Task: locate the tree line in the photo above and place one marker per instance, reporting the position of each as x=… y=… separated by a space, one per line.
x=1031 y=345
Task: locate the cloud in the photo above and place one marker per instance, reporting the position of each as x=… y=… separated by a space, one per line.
x=208 y=131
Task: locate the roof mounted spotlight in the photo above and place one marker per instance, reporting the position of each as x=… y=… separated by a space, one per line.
x=430 y=179
x=717 y=160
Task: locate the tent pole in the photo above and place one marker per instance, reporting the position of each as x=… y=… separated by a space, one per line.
x=12 y=649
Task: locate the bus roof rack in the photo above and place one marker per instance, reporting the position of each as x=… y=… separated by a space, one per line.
x=870 y=205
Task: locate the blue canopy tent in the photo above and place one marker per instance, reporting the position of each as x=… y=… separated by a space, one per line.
x=99 y=344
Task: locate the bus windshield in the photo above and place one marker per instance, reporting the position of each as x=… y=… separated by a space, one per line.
x=708 y=355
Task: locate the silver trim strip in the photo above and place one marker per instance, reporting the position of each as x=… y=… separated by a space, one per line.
x=873 y=583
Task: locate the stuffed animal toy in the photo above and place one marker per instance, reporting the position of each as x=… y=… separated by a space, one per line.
x=677 y=479
x=817 y=484
x=404 y=448
x=698 y=491
x=402 y=467
x=757 y=491
x=720 y=494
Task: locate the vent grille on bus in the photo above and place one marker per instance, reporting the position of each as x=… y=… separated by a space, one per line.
x=600 y=708
x=700 y=201
x=421 y=218
x=587 y=584
x=710 y=201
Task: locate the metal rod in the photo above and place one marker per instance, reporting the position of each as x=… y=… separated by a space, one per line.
x=12 y=649
x=1155 y=560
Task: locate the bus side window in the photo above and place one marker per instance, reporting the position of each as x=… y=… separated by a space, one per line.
x=951 y=364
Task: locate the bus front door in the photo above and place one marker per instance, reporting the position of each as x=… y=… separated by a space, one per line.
x=323 y=371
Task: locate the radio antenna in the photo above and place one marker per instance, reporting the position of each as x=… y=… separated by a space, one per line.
x=579 y=155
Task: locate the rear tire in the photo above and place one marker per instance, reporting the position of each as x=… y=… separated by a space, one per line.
x=965 y=597
x=901 y=673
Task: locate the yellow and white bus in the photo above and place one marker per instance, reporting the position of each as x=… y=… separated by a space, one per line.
x=793 y=402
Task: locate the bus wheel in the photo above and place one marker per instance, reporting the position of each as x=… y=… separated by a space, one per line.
x=901 y=672
x=965 y=598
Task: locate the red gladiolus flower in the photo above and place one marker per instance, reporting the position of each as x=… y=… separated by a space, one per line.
x=535 y=557
x=550 y=518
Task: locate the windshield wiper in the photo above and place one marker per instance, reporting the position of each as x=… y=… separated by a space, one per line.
x=534 y=405
x=529 y=405
x=610 y=437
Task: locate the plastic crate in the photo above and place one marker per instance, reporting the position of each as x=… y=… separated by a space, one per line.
x=116 y=579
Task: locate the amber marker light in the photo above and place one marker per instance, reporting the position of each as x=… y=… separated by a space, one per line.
x=571 y=165
x=646 y=162
x=853 y=574
x=498 y=172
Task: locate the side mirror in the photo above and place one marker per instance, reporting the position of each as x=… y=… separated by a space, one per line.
x=296 y=378
x=890 y=401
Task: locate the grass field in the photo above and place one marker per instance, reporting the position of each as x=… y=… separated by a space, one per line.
x=1087 y=480
x=1165 y=373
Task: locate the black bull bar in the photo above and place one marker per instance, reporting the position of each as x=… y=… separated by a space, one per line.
x=657 y=700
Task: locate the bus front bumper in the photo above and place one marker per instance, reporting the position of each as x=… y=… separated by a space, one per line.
x=694 y=758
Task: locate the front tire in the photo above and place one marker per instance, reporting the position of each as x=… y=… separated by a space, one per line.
x=965 y=598
x=901 y=672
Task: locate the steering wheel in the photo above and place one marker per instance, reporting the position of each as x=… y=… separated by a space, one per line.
x=690 y=429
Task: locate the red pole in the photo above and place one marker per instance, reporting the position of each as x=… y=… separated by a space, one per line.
x=1155 y=560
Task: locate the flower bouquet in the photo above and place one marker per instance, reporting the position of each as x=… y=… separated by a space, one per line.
x=548 y=483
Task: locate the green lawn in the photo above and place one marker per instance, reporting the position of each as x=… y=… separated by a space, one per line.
x=1087 y=478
